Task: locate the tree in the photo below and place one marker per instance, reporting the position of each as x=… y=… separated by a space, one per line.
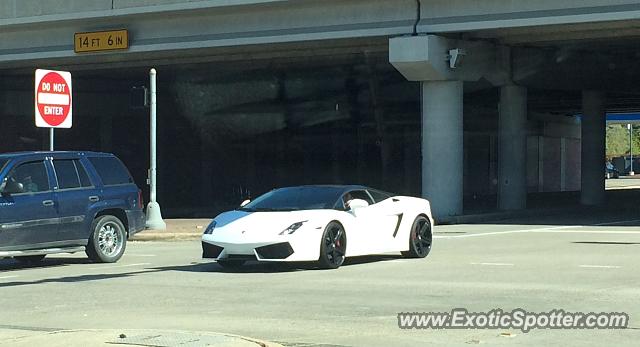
x=617 y=142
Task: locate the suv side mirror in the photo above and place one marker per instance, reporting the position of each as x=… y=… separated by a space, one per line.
x=10 y=186
x=357 y=203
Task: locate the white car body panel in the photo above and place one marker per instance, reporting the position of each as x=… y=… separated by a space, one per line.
x=379 y=228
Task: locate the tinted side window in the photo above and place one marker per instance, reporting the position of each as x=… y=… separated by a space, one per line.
x=111 y=170
x=356 y=194
x=66 y=174
x=82 y=173
x=33 y=177
x=378 y=195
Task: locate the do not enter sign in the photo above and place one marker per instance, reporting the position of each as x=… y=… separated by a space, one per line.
x=53 y=99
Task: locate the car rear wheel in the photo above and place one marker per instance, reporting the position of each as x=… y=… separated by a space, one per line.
x=30 y=259
x=419 y=238
x=107 y=241
x=333 y=246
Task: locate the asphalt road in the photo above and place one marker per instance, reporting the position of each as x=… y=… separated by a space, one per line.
x=579 y=263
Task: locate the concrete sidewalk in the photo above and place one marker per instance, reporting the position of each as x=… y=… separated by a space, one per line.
x=177 y=229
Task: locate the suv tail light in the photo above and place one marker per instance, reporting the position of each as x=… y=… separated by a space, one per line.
x=140 y=199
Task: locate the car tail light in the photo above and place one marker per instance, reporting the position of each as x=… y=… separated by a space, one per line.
x=140 y=199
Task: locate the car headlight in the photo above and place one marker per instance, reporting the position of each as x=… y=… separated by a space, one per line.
x=292 y=228
x=209 y=229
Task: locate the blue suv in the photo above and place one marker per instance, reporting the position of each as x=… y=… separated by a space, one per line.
x=65 y=202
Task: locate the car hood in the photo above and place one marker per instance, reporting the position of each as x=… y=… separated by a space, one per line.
x=266 y=223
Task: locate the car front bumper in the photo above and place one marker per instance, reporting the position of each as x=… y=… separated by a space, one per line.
x=278 y=249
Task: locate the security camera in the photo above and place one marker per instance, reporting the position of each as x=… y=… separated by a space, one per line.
x=455 y=57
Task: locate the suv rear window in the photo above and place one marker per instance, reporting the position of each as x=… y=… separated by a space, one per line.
x=111 y=170
x=70 y=174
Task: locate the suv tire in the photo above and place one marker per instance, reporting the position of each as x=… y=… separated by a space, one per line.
x=108 y=239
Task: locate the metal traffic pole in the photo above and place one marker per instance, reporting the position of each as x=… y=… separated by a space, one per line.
x=154 y=217
x=631 y=173
x=51 y=139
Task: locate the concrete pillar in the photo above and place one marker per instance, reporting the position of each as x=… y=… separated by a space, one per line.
x=593 y=148
x=442 y=146
x=512 y=150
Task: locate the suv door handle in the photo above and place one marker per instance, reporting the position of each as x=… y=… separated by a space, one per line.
x=47 y=202
x=94 y=198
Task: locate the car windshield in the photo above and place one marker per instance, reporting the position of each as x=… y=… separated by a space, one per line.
x=3 y=162
x=295 y=198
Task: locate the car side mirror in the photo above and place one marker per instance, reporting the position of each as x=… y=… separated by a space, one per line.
x=244 y=203
x=357 y=203
x=10 y=186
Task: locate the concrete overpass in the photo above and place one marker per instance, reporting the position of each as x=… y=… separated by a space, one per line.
x=547 y=59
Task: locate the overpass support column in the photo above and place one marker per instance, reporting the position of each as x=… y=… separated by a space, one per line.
x=437 y=63
x=512 y=157
x=593 y=148
x=442 y=149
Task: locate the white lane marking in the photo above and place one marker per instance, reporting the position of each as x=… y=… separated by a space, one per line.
x=593 y=232
x=7 y=277
x=558 y=229
x=118 y=266
x=493 y=264
x=601 y=266
x=618 y=222
x=505 y=232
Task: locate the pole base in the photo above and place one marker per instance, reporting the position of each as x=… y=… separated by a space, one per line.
x=631 y=173
x=154 y=217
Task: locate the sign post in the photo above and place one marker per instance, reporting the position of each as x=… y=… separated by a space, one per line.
x=53 y=101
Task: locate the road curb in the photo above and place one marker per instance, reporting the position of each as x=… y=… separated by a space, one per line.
x=153 y=235
x=129 y=337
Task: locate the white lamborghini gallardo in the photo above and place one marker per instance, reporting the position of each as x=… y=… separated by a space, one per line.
x=323 y=224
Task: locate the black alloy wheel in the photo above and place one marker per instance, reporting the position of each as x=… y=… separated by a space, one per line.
x=420 y=238
x=333 y=247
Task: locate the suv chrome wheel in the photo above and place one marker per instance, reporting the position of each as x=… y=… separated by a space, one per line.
x=108 y=240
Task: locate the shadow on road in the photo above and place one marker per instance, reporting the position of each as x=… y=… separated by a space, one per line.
x=7 y=266
x=257 y=267
x=620 y=209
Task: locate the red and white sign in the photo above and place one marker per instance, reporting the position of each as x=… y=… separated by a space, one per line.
x=53 y=99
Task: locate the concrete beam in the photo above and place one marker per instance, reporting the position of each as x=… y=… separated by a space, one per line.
x=188 y=26
x=431 y=58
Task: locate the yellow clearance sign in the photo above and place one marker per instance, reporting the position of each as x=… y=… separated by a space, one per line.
x=101 y=41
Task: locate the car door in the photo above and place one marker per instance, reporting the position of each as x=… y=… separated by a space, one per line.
x=376 y=224
x=28 y=218
x=391 y=209
x=74 y=195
